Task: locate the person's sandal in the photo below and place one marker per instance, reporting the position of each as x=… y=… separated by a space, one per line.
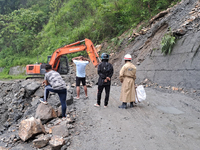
x=96 y=105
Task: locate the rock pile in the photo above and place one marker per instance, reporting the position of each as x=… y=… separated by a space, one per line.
x=28 y=124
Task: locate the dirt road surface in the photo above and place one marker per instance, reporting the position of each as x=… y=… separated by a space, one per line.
x=165 y=121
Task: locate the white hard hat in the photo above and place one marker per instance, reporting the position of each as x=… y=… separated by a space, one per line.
x=127 y=57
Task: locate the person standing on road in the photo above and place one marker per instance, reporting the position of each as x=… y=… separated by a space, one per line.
x=127 y=77
x=81 y=63
x=54 y=83
x=105 y=72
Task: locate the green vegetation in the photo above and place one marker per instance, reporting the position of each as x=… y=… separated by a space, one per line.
x=168 y=42
x=30 y=30
x=5 y=76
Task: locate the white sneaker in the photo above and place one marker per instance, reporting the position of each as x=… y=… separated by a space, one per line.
x=96 y=105
x=43 y=101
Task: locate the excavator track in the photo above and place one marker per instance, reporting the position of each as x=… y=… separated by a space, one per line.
x=38 y=77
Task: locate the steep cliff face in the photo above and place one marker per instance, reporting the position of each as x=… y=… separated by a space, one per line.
x=182 y=67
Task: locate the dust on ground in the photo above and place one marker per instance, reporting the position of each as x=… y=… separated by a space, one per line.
x=165 y=121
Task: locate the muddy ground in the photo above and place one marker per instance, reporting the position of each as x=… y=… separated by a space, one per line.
x=167 y=120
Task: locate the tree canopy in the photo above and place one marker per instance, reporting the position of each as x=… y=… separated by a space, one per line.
x=32 y=29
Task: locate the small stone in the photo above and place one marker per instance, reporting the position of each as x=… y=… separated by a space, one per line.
x=138 y=63
x=191 y=12
x=175 y=89
x=68 y=143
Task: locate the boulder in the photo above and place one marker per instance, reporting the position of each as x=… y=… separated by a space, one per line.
x=56 y=142
x=31 y=88
x=45 y=112
x=41 y=141
x=35 y=101
x=30 y=127
x=25 y=83
x=39 y=92
x=60 y=130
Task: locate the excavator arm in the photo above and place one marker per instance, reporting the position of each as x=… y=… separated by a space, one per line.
x=67 y=49
x=89 y=47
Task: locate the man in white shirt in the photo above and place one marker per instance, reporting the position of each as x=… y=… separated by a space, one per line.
x=81 y=63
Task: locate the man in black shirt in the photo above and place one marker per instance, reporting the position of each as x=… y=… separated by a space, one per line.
x=105 y=71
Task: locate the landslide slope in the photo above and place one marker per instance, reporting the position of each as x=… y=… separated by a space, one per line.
x=181 y=67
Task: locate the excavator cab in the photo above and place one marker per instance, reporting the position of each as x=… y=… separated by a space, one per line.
x=63 y=67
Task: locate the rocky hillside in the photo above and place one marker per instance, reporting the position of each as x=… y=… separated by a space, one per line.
x=179 y=69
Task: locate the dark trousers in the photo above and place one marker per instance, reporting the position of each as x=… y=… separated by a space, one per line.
x=62 y=95
x=100 y=90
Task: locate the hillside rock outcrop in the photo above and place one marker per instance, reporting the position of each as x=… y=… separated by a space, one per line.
x=181 y=68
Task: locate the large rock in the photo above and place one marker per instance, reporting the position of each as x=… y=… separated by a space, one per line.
x=56 y=142
x=30 y=127
x=39 y=92
x=45 y=112
x=60 y=130
x=41 y=141
x=32 y=87
x=25 y=83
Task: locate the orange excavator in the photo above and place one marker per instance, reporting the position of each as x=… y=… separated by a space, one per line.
x=59 y=62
